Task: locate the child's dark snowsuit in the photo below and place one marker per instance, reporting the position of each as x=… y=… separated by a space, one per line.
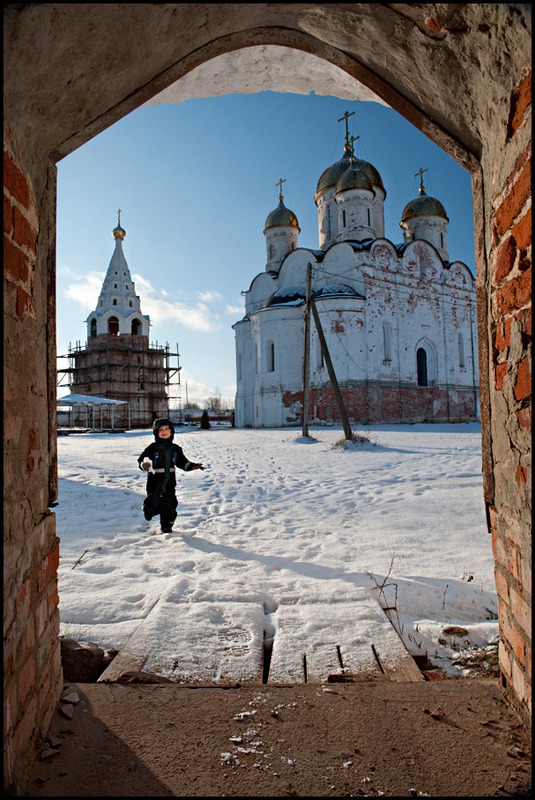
x=165 y=457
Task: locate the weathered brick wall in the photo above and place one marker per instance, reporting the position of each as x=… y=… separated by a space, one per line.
x=32 y=665
x=375 y=403
x=510 y=322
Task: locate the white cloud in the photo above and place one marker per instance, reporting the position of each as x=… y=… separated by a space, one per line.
x=86 y=290
x=154 y=302
x=210 y=297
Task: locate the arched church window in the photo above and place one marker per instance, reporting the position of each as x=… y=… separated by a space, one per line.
x=114 y=301
x=130 y=303
x=460 y=342
x=113 y=326
x=271 y=252
x=344 y=218
x=136 y=325
x=421 y=366
x=329 y=221
x=270 y=357
x=387 y=341
x=115 y=285
x=369 y=218
x=93 y=327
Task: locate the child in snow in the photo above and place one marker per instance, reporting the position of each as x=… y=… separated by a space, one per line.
x=160 y=459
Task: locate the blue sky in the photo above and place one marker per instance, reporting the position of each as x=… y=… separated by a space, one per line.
x=195 y=182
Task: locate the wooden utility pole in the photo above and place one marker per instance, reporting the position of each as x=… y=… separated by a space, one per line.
x=306 y=353
x=334 y=383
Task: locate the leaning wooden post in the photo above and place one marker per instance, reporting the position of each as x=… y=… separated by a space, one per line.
x=334 y=383
x=306 y=353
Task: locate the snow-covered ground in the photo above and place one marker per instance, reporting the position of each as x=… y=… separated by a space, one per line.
x=313 y=526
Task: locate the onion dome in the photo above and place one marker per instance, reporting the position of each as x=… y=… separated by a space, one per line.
x=354 y=178
x=371 y=172
x=281 y=217
x=330 y=176
x=118 y=232
x=423 y=205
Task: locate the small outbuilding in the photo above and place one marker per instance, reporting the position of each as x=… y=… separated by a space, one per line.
x=95 y=413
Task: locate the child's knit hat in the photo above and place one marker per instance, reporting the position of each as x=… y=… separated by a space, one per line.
x=157 y=424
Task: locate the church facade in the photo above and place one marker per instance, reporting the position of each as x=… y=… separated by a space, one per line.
x=118 y=362
x=398 y=320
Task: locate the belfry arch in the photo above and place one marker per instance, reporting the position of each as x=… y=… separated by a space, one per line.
x=462 y=76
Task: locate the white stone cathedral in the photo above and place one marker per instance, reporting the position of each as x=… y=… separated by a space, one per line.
x=399 y=320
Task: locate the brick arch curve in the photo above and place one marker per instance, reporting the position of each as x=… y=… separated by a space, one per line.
x=479 y=115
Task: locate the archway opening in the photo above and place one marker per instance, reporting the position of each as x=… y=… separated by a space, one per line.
x=241 y=222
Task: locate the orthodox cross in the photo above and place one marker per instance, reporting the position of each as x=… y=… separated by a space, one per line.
x=279 y=184
x=346 y=117
x=421 y=174
x=119 y=217
x=353 y=139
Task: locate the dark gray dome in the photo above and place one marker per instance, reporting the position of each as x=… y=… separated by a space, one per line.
x=424 y=206
x=281 y=217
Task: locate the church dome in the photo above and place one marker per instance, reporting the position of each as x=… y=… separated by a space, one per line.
x=281 y=217
x=118 y=232
x=371 y=172
x=330 y=176
x=354 y=178
x=424 y=206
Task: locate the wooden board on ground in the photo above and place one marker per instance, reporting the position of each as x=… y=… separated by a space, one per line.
x=345 y=638
x=211 y=643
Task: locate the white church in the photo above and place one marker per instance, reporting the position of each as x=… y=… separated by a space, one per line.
x=398 y=319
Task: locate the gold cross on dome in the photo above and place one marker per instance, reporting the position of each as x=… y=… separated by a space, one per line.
x=279 y=184
x=346 y=117
x=421 y=174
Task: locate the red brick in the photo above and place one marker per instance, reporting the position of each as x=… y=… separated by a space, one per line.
x=8 y=215
x=505 y=259
x=514 y=294
x=23 y=233
x=15 y=182
x=521 y=230
x=511 y=207
x=26 y=727
x=521 y=476
x=502 y=585
x=15 y=263
x=502 y=335
x=500 y=372
x=522 y=388
x=524 y=418
x=25 y=304
x=33 y=439
x=48 y=567
x=520 y=103
x=512 y=633
x=26 y=680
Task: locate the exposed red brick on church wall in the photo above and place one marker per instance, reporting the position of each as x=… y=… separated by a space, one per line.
x=375 y=404
x=510 y=308
x=32 y=665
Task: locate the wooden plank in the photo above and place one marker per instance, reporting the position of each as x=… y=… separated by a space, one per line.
x=231 y=633
x=316 y=640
